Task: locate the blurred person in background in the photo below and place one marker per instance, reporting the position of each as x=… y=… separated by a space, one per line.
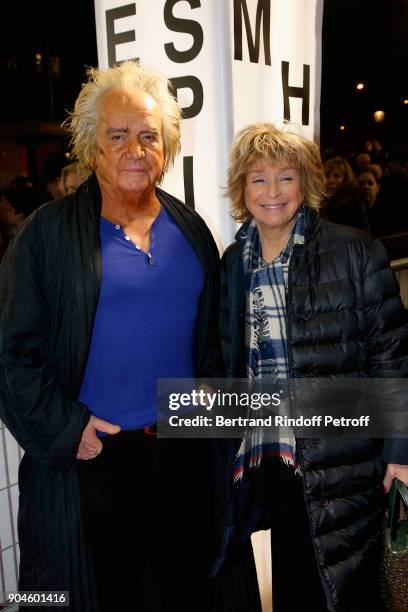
x=72 y=176
x=51 y=176
x=368 y=189
x=22 y=180
x=378 y=154
x=385 y=197
x=368 y=146
x=16 y=204
x=341 y=204
x=362 y=160
x=395 y=182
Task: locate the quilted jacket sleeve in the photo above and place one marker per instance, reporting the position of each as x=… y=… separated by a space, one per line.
x=387 y=337
x=32 y=404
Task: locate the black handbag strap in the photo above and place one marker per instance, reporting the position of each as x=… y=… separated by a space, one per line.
x=397 y=493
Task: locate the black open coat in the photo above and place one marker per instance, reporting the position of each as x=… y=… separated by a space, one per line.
x=49 y=287
x=344 y=318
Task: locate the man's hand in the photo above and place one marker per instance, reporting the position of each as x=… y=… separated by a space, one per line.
x=394 y=470
x=90 y=445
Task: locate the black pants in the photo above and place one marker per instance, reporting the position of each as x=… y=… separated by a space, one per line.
x=296 y=584
x=147 y=504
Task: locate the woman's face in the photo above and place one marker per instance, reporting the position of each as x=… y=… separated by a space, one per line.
x=334 y=179
x=368 y=187
x=273 y=194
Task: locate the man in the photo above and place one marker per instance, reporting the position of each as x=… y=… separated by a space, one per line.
x=102 y=293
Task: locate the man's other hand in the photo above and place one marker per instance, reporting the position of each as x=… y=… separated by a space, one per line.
x=90 y=445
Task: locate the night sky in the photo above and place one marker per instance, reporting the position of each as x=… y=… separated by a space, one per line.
x=362 y=40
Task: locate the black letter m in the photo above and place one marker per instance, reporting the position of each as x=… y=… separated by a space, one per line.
x=240 y=7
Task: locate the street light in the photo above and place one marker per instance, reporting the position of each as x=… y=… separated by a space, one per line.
x=360 y=86
x=379 y=116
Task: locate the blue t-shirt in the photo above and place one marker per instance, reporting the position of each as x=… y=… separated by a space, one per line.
x=145 y=322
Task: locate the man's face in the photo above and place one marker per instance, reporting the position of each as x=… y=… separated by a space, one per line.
x=368 y=187
x=130 y=151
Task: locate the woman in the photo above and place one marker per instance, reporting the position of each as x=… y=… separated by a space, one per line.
x=342 y=204
x=319 y=300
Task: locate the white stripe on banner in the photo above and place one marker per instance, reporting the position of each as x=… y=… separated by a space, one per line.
x=232 y=62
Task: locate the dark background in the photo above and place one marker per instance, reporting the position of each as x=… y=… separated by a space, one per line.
x=363 y=40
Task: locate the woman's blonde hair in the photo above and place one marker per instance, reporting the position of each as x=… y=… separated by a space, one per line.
x=263 y=141
x=82 y=122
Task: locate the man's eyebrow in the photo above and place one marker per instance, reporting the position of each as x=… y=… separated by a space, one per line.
x=112 y=130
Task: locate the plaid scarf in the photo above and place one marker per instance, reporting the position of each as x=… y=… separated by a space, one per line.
x=266 y=341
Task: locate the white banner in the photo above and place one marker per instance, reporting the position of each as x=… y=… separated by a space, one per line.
x=231 y=62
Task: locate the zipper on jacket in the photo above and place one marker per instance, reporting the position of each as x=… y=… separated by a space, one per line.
x=325 y=586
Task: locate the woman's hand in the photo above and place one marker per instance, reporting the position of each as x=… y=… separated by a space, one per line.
x=395 y=470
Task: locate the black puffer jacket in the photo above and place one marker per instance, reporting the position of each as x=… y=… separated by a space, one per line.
x=344 y=318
